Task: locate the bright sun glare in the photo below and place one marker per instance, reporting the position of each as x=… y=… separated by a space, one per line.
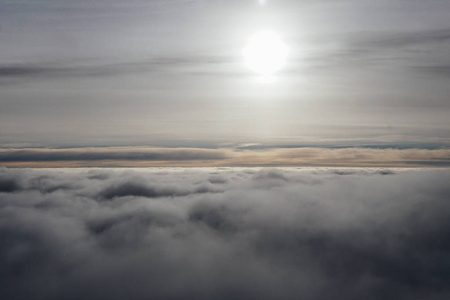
x=265 y=53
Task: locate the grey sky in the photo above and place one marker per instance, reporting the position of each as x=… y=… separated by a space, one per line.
x=171 y=73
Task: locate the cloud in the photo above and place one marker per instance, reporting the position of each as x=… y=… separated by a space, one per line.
x=419 y=50
x=187 y=64
x=8 y=185
x=142 y=156
x=132 y=188
x=270 y=233
x=442 y=70
x=406 y=39
x=95 y=154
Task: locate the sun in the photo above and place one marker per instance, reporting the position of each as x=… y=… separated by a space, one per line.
x=265 y=53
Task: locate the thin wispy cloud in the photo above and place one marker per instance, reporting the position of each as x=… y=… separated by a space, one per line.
x=60 y=70
x=405 y=39
x=401 y=51
x=439 y=71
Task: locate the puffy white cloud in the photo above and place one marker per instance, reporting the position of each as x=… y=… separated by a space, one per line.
x=227 y=233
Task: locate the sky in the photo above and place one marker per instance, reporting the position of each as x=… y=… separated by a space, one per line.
x=156 y=75
x=224 y=149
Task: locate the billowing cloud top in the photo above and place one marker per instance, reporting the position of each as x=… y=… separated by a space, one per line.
x=224 y=234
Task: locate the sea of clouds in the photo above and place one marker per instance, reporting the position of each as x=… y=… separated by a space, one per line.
x=229 y=233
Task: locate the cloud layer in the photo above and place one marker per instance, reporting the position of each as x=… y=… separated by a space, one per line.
x=224 y=234
x=145 y=156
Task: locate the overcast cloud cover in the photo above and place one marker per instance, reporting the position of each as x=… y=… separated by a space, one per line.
x=224 y=233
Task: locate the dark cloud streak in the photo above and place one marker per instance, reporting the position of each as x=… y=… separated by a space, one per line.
x=191 y=64
x=406 y=39
x=399 y=50
x=48 y=155
x=440 y=71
